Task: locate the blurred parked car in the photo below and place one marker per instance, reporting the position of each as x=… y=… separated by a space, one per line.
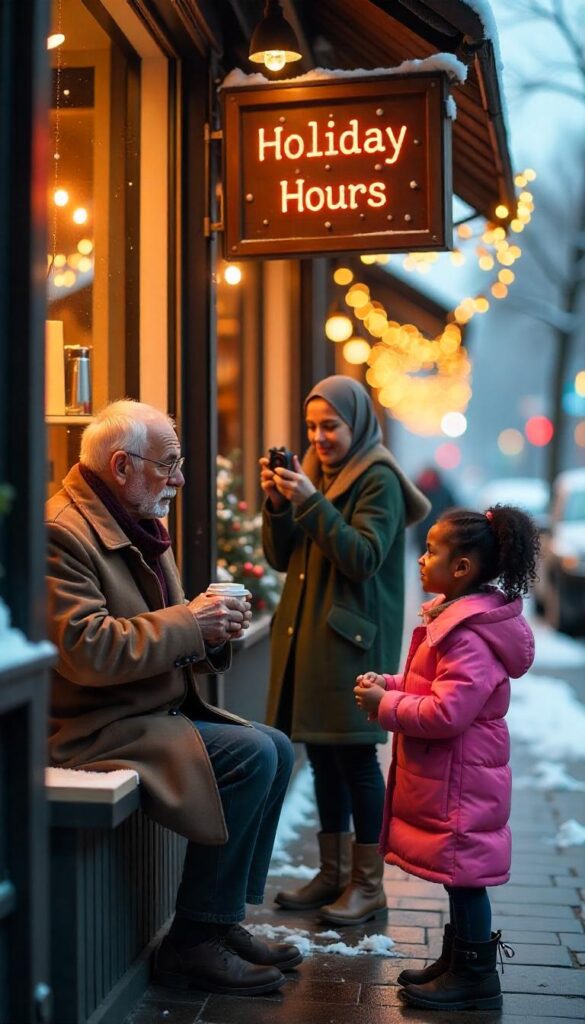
x=561 y=588
x=528 y=493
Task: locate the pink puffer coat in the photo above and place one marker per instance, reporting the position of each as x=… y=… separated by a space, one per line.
x=449 y=788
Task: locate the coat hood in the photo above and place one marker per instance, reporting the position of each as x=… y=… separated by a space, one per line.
x=497 y=620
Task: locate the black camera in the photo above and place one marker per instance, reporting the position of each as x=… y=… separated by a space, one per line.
x=280 y=457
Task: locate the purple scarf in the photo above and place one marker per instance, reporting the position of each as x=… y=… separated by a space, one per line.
x=148 y=535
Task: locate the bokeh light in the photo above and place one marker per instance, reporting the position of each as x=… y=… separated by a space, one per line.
x=510 y=441
x=539 y=430
x=232 y=274
x=453 y=424
x=60 y=197
x=356 y=351
x=580 y=383
x=448 y=455
x=343 y=275
x=338 y=327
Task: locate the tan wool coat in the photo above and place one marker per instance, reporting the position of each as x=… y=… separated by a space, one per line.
x=124 y=690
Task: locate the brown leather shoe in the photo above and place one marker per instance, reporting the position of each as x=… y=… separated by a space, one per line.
x=267 y=954
x=331 y=879
x=364 y=898
x=213 y=967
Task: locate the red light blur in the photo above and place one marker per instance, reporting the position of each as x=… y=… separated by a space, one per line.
x=539 y=430
x=448 y=455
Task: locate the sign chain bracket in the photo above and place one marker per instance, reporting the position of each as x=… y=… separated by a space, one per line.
x=210 y=226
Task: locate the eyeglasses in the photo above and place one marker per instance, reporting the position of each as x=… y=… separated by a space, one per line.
x=170 y=468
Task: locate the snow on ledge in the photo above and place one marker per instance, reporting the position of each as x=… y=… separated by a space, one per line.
x=16 y=650
x=75 y=784
x=446 y=62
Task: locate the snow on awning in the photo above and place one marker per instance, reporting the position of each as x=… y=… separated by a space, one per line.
x=367 y=36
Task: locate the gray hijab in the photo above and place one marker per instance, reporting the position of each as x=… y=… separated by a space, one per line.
x=352 y=402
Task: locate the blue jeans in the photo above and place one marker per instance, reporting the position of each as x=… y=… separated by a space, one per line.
x=252 y=767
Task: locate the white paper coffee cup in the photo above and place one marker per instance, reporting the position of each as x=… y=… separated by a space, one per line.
x=228 y=589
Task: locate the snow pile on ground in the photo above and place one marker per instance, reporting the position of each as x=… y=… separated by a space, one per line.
x=571 y=833
x=554 y=650
x=546 y=714
x=378 y=945
x=298 y=810
x=549 y=775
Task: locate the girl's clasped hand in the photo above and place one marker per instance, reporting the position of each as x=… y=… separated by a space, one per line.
x=369 y=690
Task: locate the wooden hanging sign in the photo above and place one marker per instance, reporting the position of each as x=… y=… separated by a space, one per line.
x=355 y=164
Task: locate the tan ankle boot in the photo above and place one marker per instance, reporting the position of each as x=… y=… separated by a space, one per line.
x=364 y=897
x=333 y=875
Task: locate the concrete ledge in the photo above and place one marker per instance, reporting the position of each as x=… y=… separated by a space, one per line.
x=81 y=799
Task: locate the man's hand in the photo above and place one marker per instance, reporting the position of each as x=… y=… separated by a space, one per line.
x=369 y=690
x=293 y=484
x=220 y=618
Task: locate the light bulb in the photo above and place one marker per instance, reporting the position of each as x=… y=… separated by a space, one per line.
x=274 y=60
x=232 y=274
x=60 y=197
x=80 y=215
x=55 y=40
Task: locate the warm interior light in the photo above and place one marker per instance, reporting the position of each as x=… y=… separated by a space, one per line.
x=85 y=246
x=55 y=40
x=274 y=42
x=60 y=197
x=232 y=274
x=80 y=215
x=501 y=211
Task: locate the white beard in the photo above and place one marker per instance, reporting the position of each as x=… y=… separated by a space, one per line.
x=147 y=505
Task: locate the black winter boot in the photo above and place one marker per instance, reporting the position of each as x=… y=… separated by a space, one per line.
x=470 y=983
x=435 y=970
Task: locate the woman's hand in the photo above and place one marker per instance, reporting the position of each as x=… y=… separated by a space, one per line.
x=293 y=484
x=268 y=485
x=369 y=690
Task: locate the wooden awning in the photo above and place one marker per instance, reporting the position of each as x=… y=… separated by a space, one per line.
x=383 y=33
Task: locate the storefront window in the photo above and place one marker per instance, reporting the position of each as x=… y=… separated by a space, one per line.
x=239 y=432
x=92 y=312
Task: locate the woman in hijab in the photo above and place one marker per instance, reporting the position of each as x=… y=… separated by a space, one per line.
x=336 y=525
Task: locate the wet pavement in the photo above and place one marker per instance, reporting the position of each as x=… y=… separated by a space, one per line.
x=540 y=911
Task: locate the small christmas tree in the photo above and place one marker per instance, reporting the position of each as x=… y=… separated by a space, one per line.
x=239 y=539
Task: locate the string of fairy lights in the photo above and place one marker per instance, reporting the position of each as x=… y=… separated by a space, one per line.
x=426 y=382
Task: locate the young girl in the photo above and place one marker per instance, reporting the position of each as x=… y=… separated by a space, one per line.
x=449 y=787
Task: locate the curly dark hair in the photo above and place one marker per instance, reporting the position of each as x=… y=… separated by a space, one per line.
x=504 y=539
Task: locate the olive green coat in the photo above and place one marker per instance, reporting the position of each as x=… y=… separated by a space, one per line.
x=341 y=611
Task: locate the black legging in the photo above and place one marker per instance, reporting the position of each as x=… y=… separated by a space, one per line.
x=348 y=784
x=470 y=912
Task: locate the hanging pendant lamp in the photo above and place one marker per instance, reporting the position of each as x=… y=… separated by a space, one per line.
x=274 y=42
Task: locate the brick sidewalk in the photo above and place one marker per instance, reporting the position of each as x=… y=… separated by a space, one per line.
x=539 y=911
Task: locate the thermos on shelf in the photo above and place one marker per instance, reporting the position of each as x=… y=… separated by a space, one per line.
x=78 y=380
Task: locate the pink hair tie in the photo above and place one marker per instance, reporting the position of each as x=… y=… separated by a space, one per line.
x=489 y=515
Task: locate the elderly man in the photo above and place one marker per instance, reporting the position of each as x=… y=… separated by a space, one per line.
x=124 y=695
